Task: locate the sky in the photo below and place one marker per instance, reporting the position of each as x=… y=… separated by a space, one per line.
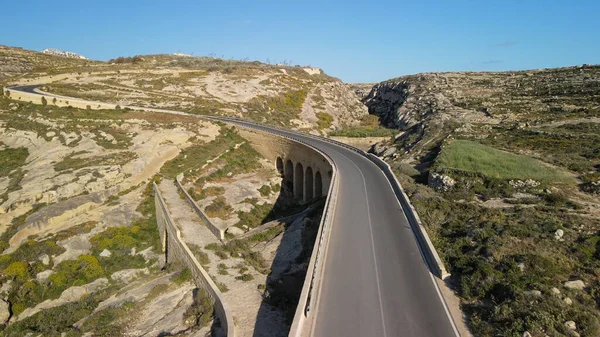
x=356 y=41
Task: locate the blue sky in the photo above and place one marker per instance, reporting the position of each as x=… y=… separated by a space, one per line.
x=364 y=41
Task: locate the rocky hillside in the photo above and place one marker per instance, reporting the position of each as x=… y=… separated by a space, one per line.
x=298 y=97
x=504 y=170
x=430 y=106
x=18 y=61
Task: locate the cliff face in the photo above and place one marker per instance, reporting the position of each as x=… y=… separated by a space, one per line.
x=429 y=107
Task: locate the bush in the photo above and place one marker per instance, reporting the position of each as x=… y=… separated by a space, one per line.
x=17 y=270
x=245 y=277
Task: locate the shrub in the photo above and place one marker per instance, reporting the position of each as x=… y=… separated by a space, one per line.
x=17 y=270
x=245 y=277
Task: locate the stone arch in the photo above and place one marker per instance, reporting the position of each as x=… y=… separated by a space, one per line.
x=299 y=181
x=318 y=184
x=288 y=175
x=308 y=184
x=279 y=164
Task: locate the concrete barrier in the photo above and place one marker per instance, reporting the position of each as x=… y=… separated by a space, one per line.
x=219 y=233
x=429 y=252
x=176 y=249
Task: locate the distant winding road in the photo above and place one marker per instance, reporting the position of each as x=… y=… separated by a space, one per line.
x=375 y=281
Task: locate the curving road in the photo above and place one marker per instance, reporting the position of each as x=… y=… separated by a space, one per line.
x=375 y=281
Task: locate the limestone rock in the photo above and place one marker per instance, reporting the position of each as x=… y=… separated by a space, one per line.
x=4 y=311
x=532 y=294
x=43 y=276
x=45 y=259
x=570 y=325
x=73 y=294
x=577 y=284
x=105 y=253
x=127 y=275
x=235 y=231
x=559 y=234
x=521 y=266
x=440 y=182
x=555 y=291
x=568 y=301
x=6 y=288
x=526 y=334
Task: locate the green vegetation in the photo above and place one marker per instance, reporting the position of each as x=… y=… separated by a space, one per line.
x=196 y=155
x=121 y=240
x=465 y=155
x=361 y=131
x=369 y=127
x=71 y=163
x=201 y=312
x=240 y=248
x=576 y=147
x=324 y=121
x=219 y=208
x=11 y=159
x=245 y=277
x=201 y=256
x=265 y=190
x=259 y=215
x=183 y=276
x=285 y=107
x=222 y=268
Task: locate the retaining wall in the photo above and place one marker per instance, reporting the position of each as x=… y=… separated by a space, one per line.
x=219 y=233
x=56 y=100
x=177 y=250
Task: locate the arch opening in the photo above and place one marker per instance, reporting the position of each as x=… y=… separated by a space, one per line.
x=288 y=175
x=318 y=185
x=308 y=183
x=299 y=182
x=279 y=164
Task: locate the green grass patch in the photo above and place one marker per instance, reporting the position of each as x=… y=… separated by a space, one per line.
x=219 y=208
x=12 y=158
x=466 y=155
x=72 y=163
x=324 y=120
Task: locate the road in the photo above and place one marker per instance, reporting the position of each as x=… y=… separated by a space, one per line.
x=375 y=281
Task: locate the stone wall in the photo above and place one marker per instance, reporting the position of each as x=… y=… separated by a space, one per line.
x=177 y=251
x=219 y=233
x=55 y=100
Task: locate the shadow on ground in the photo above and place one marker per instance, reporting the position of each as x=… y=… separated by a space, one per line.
x=288 y=269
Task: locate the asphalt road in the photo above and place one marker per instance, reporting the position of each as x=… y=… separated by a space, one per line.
x=375 y=281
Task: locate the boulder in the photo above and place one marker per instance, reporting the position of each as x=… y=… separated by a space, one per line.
x=4 y=312
x=235 y=231
x=73 y=294
x=555 y=291
x=105 y=253
x=559 y=234
x=568 y=301
x=43 y=276
x=570 y=325
x=440 y=182
x=532 y=294
x=127 y=275
x=45 y=259
x=577 y=284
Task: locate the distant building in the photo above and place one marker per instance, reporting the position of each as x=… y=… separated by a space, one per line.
x=52 y=51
